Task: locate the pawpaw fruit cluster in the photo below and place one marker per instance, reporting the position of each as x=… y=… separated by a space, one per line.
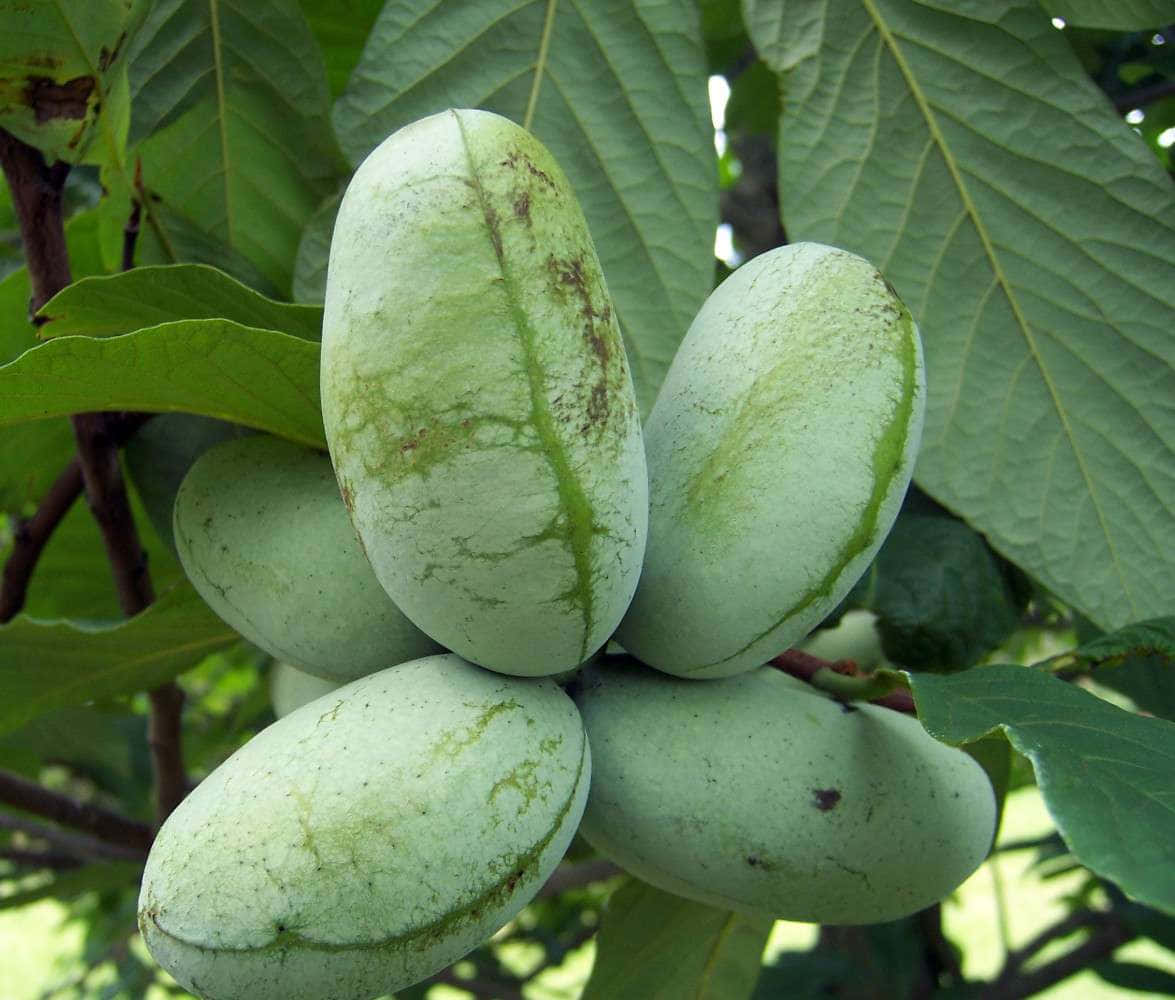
x=505 y=502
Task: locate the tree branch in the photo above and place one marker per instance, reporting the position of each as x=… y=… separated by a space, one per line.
x=576 y=876
x=1144 y=95
x=39 y=859
x=1108 y=935
x=37 y=197
x=76 y=844
x=35 y=798
x=31 y=537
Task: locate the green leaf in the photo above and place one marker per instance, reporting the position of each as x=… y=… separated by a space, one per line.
x=1105 y=774
x=259 y=378
x=655 y=946
x=231 y=107
x=1116 y=15
x=341 y=28
x=314 y=251
x=616 y=92
x=77 y=663
x=1033 y=236
x=942 y=597
x=149 y=296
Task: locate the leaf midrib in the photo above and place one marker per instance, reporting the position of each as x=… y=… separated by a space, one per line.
x=891 y=43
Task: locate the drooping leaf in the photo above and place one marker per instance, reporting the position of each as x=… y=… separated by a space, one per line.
x=655 y=946
x=1114 y=15
x=1105 y=774
x=617 y=92
x=76 y=663
x=232 y=129
x=1033 y=237
x=341 y=27
x=1145 y=979
x=260 y=378
x=148 y=296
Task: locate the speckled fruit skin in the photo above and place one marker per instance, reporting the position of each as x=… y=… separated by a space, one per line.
x=264 y=538
x=758 y=793
x=476 y=396
x=779 y=449
x=369 y=838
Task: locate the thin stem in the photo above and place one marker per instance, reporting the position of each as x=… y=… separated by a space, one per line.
x=31 y=537
x=35 y=798
x=841 y=680
x=76 y=844
x=39 y=859
x=164 y=736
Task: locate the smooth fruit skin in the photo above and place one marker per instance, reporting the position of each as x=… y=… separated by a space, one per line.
x=264 y=538
x=476 y=397
x=779 y=449
x=369 y=838
x=758 y=793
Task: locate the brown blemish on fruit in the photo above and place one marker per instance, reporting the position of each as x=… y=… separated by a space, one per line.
x=348 y=496
x=522 y=206
x=825 y=798
x=49 y=99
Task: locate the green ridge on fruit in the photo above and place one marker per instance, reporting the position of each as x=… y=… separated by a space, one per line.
x=265 y=539
x=760 y=794
x=369 y=838
x=779 y=449
x=476 y=397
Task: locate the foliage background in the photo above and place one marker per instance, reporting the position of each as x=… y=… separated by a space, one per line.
x=1007 y=165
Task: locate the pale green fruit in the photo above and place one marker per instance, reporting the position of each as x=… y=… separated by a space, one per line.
x=758 y=793
x=854 y=637
x=62 y=64
x=476 y=396
x=265 y=539
x=369 y=838
x=291 y=688
x=779 y=449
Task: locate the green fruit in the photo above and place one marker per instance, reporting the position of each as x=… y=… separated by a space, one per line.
x=779 y=449
x=61 y=65
x=291 y=688
x=369 y=838
x=476 y=396
x=758 y=793
x=264 y=538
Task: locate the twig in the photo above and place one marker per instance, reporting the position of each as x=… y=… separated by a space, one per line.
x=39 y=859
x=112 y=827
x=77 y=844
x=31 y=537
x=842 y=679
x=37 y=197
x=1109 y=935
x=1144 y=95
x=130 y=233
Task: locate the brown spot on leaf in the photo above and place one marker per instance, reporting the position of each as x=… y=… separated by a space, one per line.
x=517 y=159
x=825 y=798
x=49 y=99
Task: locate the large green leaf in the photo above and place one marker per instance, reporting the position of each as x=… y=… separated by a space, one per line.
x=1115 y=15
x=341 y=27
x=148 y=296
x=260 y=378
x=617 y=91
x=655 y=946
x=231 y=107
x=1106 y=774
x=1033 y=236
x=76 y=663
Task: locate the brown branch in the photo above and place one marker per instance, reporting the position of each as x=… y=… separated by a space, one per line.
x=1144 y=95
x=37 y=198
x=77 y=844
x=39 y=859
x=804 y=666
x=130 y=233
x=35 y=798
x=1108 y=935
x=31 y=536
